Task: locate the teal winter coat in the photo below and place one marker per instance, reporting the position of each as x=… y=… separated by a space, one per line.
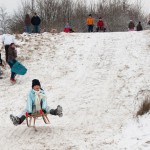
x=31 y=101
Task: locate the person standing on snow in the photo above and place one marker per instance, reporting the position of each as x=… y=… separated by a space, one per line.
x=7 y=39
x=139 y=27
x=36 y=102
x=27 y=22
x=100 y=25
x=131 y=26
x=35 y=20
x=90 y=23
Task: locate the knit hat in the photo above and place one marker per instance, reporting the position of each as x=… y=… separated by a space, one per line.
x=35 y=82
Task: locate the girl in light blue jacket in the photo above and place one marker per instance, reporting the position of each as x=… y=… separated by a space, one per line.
x=36 y=102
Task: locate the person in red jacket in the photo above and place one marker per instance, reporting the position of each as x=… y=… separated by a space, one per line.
x=68 y=28
x=27 y=22
x=100 y=25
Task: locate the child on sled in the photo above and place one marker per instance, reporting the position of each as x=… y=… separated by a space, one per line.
x=36 y=102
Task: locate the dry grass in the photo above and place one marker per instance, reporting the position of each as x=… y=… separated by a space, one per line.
x=144 y=108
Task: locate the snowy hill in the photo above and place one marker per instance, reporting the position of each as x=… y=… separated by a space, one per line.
x=95 y=77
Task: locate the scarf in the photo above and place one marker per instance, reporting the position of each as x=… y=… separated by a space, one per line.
x=38 y=97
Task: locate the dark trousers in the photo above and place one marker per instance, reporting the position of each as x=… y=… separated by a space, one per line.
x=0 y=59
x=100 y=29
x=36 y=29
x=11 y=63
x=6 y=52
x=90 y=28
x=23 y=117
x=28 y=29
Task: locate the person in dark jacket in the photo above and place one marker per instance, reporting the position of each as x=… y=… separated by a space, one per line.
x=27 y=22
x=36 y=22
x=139 y=27
x=12 y=55
x=131 y=26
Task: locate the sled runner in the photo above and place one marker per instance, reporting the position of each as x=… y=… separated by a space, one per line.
x=32 y=118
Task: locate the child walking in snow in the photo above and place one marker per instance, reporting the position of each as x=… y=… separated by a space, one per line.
x=11 y=59
x=16 y=67
x=7 y=39
x=36 y=102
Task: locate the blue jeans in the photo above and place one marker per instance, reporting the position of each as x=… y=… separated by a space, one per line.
x=90 y=28
x=11 y=63
x=28 y=29
x=36 y=29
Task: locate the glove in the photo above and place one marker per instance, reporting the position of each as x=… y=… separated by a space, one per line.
x=44 y=111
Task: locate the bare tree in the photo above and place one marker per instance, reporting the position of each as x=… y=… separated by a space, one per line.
x=17 y=23
x=54 y=13
x=4 y=20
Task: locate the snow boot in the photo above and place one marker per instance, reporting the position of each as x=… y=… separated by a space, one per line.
x=57 y=111
x=12 y=80
x=15 y=120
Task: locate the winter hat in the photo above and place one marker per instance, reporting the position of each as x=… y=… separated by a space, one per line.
x=35 y=82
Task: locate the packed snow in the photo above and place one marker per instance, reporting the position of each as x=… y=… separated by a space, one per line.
x=96 y=78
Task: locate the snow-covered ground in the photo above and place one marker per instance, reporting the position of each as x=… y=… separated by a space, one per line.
x=95 y=77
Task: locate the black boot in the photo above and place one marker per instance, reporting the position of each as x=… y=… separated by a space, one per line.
x=57 y=111
x=15 y=120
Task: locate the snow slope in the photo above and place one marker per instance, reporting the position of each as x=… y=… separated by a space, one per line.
x=95 y=77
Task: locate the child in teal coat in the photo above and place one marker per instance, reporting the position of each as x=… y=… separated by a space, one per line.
x=36 y=102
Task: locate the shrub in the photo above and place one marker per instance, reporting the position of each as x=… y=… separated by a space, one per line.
x=144 y=107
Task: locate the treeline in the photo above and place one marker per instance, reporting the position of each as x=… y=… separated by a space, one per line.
x=55 y=13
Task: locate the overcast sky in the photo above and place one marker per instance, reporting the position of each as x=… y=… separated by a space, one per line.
x=11 y=5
